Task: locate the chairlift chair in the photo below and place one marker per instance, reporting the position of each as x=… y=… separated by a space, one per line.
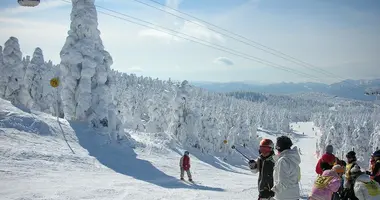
x=28 y=3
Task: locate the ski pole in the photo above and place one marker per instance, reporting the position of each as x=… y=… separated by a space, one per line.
x=233 y=147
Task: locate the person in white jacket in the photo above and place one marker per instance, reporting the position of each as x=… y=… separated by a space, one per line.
x=364 y=187
x=286 y=171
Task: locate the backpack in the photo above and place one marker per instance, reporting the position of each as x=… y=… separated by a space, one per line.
x=373 y=189
x=322 y=181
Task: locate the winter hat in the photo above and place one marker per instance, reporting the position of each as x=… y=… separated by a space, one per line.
x=329 y=149
x=187 y=153
x=351 y=154
x=376 y=153
x=283 y=143
x=338 y=169
x=328 y=158
x=266 y=143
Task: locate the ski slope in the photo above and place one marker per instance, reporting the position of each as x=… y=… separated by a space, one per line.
x=37 y=163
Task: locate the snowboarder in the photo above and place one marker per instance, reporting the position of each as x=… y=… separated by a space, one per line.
x=287 y=173
x=184 y=164
x=375 y=167
x=327 y=184
x=364 y=187
x=264 y=165
x=327 y=160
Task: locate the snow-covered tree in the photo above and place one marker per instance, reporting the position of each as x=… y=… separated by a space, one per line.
x=50 y=95
x=26 y=61
x=34 y=81
x=14 y=72
x=181 y=112
x=85 y=65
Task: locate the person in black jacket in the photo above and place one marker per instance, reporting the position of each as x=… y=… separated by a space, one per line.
x=265 y=166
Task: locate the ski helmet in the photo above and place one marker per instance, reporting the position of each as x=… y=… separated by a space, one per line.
x=187 y=153
x=283 y=143
x=376 y=153
x=267 y=143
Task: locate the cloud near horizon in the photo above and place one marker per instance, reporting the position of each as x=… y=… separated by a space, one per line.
x=224 y=61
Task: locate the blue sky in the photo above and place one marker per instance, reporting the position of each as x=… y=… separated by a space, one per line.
x=340 y=36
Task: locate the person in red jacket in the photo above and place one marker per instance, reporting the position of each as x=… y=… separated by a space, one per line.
x=184 y=165
x=327 y=160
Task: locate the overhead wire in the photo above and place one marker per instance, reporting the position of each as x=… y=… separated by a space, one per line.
x=249 y=43
x=197 y=40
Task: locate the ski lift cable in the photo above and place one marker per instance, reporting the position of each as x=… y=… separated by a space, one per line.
x=200 y=41
x=243 y=39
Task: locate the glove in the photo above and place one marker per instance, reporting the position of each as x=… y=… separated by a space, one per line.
x=252 y=164
x=266 y=194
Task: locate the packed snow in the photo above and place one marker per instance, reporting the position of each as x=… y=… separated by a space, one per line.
x=37 y=163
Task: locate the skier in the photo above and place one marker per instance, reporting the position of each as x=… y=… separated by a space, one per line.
x=364 y=187
x=327 y=184
x=349 y=181
x=327 y=160
x=184 y=164
x=287 y=172
x=264 y=165
x=375 y=168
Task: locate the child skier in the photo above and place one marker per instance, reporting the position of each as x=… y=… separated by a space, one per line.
x=184 y=164
x=286 y=174
x=264 y=165
x=327 y=184
x=364 y=187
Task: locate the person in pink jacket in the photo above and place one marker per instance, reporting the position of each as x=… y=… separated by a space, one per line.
x=327 y=184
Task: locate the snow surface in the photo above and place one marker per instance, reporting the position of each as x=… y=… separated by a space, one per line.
x=37 y=163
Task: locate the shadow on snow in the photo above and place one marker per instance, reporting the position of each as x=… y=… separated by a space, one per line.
x=214 y=161
x=122 y=159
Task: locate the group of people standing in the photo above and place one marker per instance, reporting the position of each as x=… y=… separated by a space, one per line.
x=279 y=175
x=340 y=180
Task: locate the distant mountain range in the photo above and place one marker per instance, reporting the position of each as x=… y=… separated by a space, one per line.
x=352 y=89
